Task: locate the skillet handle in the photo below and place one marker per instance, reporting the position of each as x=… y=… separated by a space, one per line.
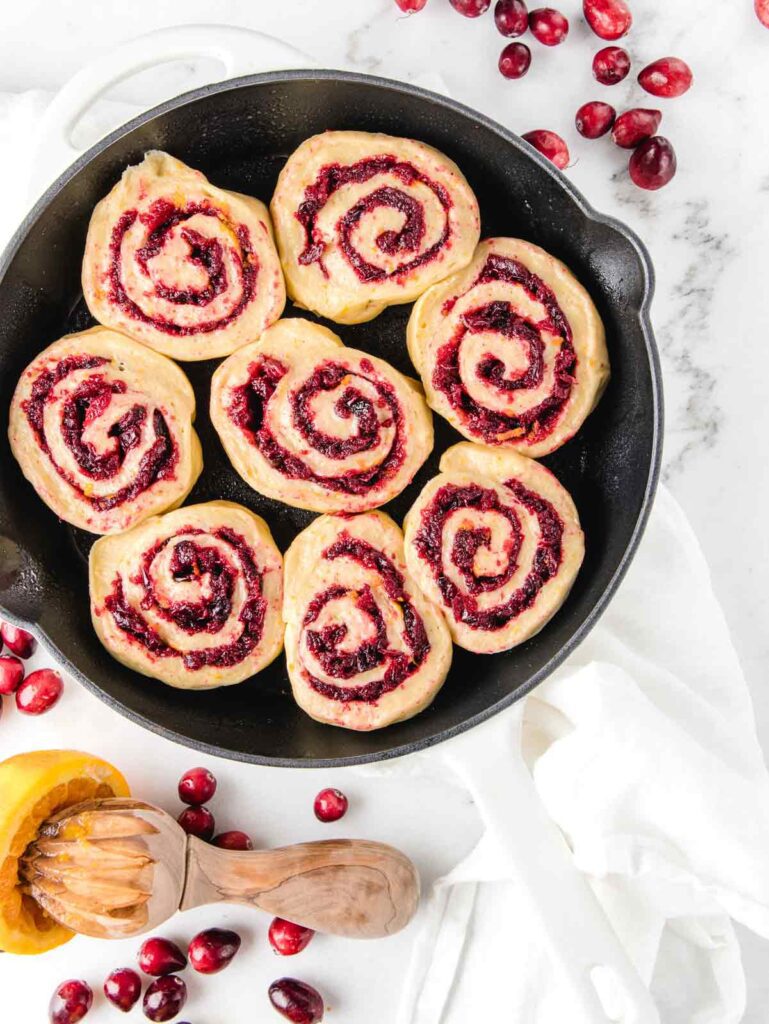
x=602 y=980
x=239 y=51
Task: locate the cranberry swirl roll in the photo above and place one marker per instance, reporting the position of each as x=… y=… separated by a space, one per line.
x=495 y=540
x=367 y=221
x=315 y=424
x=102 y=429
x=189 y=269
x=192 y=598
x=511 y=350
x=364 y=647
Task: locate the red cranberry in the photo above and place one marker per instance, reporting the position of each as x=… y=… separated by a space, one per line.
x=197 y=786
x=233 y=840
x=667 y=77
x=19 y=641
x=298 y=1002
x=411 y=6
x=123 y=988
x=511 y=17
x=330 y=805
x=164 y=998
x=70 y=1002
x=550 y=145
x=632 y=127
x=549 y=26
x=212 y=950
x=653 y=164
x=11 y=674
x=762 y=11
x=595 y=119
x=158 y=957
x=198 y=821
x=609 y=19
x=611 y=65
x=514 y=60
x=287 y=938
x=471 y=8
x=39 y=692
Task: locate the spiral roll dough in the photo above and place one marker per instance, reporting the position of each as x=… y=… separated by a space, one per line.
x=186 y=268
x=192 y=598
x=364 y=221
x=495 y=540
x=364 y=647
x=511 y=350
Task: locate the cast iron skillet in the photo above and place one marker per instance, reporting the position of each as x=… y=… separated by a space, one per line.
x=239 y=134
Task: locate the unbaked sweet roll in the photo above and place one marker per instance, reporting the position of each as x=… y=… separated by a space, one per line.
x=511 y=350
x=366 y=221
x=495 y=540
x=192 y=598
x=184 y=267
x=102 y=428
x=315 y=424
x=364 y=647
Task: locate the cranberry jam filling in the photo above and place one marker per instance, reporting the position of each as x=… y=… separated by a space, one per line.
x=374 y=652
x=192 y=559
x=248 y=410
x=207 y=253
x=406 y=241
x=536 y=423
x=544 y=564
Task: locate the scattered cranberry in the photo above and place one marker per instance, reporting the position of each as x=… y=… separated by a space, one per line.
x=550 y=145
x=411 y=6
x=287 y=938
x=197 y=786
x=70 y=1002
x=330 y=805
x=19 y=641
x=11 y=674
x=653 y=164
x=213 y=949
x=762 y=11
x=515 y=59
x=549 y=26
x=595 y=119
x=471 y=8
x=39 y=692
x=611 y=65
x=667 y=77
x=233 y=840
x=198 y=821
x=634 y=126
x=123 y=988
x=164 y=998
x=609 y=19
x=298 y=1002
x=158 y=957
x=512 y=17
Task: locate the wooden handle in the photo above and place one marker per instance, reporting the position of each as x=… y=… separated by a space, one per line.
x=349 y=887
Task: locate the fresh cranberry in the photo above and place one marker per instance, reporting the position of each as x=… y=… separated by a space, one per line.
x=158 y=957
x=233 y=840
x=123 y=988
x=511 y=17
x=411 y=6
x=515 y=59
x=197 y=786
x=762 y=11
x=198 y=821
x=549 y=26
x=212 y=950
x=39 y=692
x=287 y=938
x=609 y=19
x=164 y=998
x=653 y=164
x=19 y=641
x=667 y=77
x=595 y=119
x=70 y=1002
x=11 y=674
x=550 y=145
x=471 y=8
x=611 y=65
x=330 y=805
x=632 y=127
x=298 y=1002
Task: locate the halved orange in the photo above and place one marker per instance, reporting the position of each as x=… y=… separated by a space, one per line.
x=34 y=786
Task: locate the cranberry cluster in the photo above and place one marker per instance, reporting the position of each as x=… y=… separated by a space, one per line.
x=35 y=693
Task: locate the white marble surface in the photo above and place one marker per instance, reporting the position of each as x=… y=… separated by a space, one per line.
x=706 y=233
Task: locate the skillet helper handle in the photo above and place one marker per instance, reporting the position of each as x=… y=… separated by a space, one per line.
x=603 y=982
